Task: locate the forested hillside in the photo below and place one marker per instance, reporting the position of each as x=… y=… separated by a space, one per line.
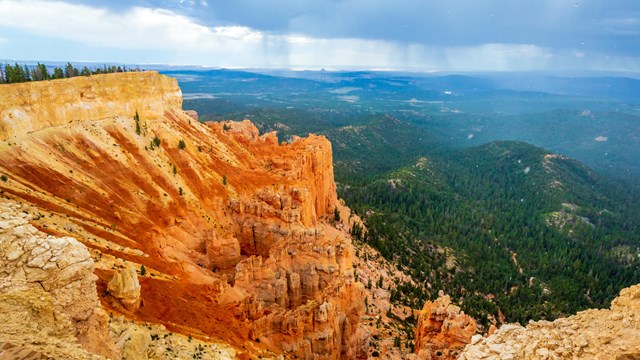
x=505 y=226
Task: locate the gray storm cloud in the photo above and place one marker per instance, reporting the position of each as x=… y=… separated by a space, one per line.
x=410 y=34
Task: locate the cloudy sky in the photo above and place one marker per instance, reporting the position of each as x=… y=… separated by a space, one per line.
x=418 y=35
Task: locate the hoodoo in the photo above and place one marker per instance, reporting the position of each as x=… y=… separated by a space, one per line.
x=443 y=330
x=227 y=233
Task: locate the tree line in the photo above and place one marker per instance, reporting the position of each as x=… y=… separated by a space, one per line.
x=17 y=73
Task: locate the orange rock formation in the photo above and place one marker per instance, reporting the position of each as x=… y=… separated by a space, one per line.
x=232 y=228
x=443 y=330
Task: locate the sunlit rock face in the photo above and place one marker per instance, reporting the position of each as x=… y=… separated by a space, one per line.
x=48 y=299
x=33 y=106
x=125 y=287
x=592 y=334
x=234 y=230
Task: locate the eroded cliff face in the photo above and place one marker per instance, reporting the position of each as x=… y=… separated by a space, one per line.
x=49 y=307
x=592 y=334
x=232 y=227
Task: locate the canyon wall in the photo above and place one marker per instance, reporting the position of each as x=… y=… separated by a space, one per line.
x=234 y=230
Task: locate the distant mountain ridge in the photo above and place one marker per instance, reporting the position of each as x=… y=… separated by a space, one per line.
x=597 y=85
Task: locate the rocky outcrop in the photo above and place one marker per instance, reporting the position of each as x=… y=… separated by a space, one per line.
x=134 y=343
x=443 y=330
x=234 y=228
x=125 y=287
x=149 y=341
x=47 y=288
x=592 y=334
x=49 y=307
x=193 y=114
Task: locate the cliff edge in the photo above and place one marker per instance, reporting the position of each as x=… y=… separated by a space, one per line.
x=33 y=106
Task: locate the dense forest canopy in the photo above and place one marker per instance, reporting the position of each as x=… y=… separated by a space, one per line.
x=505 y=226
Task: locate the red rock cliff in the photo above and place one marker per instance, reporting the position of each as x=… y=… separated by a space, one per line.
x=230 y=226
